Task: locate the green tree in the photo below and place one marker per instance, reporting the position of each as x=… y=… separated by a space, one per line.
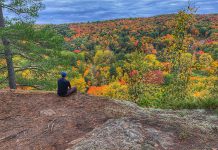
x=25 y=9
x=34 y=49
x=103 y=57
x=136 y=68
x=113 y=71
x=179 y=57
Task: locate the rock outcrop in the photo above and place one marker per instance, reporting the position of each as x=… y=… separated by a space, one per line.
x=151 y=129
x=42 y=120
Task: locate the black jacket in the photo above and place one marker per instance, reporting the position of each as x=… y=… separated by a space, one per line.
x=63 y=86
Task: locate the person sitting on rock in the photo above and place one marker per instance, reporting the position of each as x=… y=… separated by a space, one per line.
x=64 y=87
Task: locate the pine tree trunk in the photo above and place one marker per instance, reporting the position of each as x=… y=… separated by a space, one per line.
x=8 y=55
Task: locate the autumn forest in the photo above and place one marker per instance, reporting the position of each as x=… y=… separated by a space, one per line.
x=167 y=61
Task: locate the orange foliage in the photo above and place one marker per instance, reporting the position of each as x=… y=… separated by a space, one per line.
x=166 y=66
x=86 y=72
x=154 y=51
x=24 y=88
x=168 y=36
x=122 y=82
x=98 y=91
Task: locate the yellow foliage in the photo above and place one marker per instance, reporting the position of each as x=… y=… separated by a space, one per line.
x=78 y=62
x=205 y=59
x=26 y=74
x=118 y=91
x=79 y=83
x=74 y=69
x=103 y=57
x=214 y=67
x=200 y=86
x=165 y=73
x=86 y=72
x=151 y=61
x=2 y=62
x=126 y=77
x=150 y=58
x=201 y=94
x=119 y=71
x=186 y=59
x=215 y=64
x=105 y=72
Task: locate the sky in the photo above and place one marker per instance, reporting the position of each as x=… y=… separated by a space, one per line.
x=70 y=11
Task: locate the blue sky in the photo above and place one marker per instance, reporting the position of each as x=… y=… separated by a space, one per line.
x=68 y=11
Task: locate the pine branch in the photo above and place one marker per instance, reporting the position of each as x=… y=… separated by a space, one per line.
x=3 y=68
x=17 y=11
x=4 y=80
x=30 y=68
x=24 y=55
x=12 y=9
x=22 y=52
x=28 y=7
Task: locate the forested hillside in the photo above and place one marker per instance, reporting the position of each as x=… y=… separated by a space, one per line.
x=171 y=58
x=114 y=58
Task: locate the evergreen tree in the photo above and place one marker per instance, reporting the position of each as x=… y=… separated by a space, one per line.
x=24 y=10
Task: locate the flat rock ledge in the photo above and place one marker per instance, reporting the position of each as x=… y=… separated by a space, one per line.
x=42 y=120
x=151 y=129
x=124 y=134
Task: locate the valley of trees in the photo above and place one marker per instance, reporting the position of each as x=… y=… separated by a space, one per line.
x=168 y=61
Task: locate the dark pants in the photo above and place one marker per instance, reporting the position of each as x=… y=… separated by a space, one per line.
x=71 y=91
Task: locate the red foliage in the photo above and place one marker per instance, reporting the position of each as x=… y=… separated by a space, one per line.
x=136 y=43
x=154 y=77
x=200 y=52
x=133 y=73
x=209 y=41
x=77 y=51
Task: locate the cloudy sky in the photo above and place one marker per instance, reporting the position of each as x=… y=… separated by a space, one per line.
x=68 y=11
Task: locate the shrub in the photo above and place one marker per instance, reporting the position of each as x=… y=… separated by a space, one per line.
x=168 y=79
x=113 y=90
x=80 y=84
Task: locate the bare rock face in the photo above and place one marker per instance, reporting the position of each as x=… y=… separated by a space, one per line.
x=124 y=134
x=36 y=120
x=114 y=134
x=151 y=129
x=47 y=112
